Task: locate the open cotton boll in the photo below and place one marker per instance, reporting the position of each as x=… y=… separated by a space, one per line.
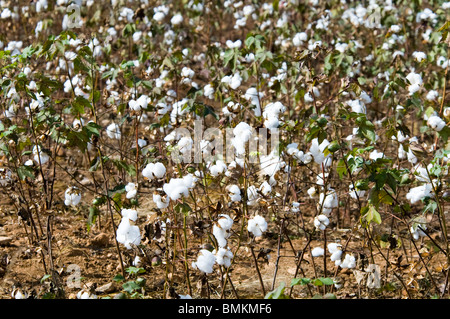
x=317 y=151
x=436 y=123
x=154 y=170
x=176 y=19
x=131 y=214
x=299 y=38
x=221 y=235
x=357 y=106
x=219 y=168
x=317 y=252
x=418 y=193
x=223 y=257
x=113 y=131
x=160 y=202
x=235 y=81
x=328 y=202
x=205 y=261
x=39 y=155
x=265 y=188
x=419 y=56
x=179 y=187
x=128 y=234
x=415 y=81
x=233 y=45
x=254 y=97
x=257 y=225
x=348 y=262
x=72 y=196
x=242 y=133
x=131 y=189
x=333 y=247
x=321 y=222
x=234 y=192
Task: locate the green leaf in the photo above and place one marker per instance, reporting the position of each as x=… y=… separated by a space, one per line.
x=278 y=293
x=300 y=281
x=372 y=215
x=131 y=286
x=24 y=172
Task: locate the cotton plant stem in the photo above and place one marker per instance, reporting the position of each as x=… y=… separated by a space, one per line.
x=111 y=215
x=278 y=254
x=263 y=290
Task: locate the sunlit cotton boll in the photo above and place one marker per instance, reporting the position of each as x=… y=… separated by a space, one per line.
x=39 y=155
x=179 y=187
x=154 y=170
x=205 y=261
x=131 y=189
x=234 y=192
x=72 y=196
x=415 y=81
x=160 y=202
x=348 y=262
x=176 y=19
x=128 y=234
x=419 y=56
x=257 y=225
x=221 y=229
x=321 y=222
x=317 y=252
x=436 y=123
x=223 y=257
x=113 y=131
x=418 y=193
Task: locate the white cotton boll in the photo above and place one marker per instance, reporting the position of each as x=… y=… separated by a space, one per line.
x=329 y=202
x=113 y=131
x=137 y=261
x=217 y=169
x=220 y=235
x=418 y=193
x=257 y=225
x=355 y=194
x=312 y=192
x=233 y=45
x=223 y=257
x=235 y=81
x=131 y=214
x=333 y=247
x=127 y=234
x=321 y=222
x=205 y=261
x=317 y=150
x=160 y=203
x=159 y=170
x=225 y=222
x=432 y=95
x=159 y=16
x=317 y=252
x=419 y=56
x=208 y=91
x=265 y=188
x=39 y=155
x=234 y=193
x=357 y=106
x=299 y=39
x=415 y=81
x=348 y=262
x=176 y=19
x=436 y=123
x=72 y=196
x=374 y=155
x=131 y=189
x=336 y=256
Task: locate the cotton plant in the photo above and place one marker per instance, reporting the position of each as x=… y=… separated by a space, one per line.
x=257 y=225
x=205 y=261
x=128 y=234
x=72 y=196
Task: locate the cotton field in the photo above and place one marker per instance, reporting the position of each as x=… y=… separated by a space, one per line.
x=232 y=149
